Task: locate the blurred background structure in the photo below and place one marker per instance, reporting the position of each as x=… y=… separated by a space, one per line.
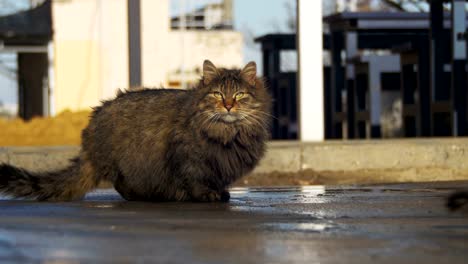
x=98 y=46
x=398 y=74
x=368 y=69
x=24 y=66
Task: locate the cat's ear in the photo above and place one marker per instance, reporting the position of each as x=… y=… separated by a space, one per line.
x=249 y=73
x=210 y=72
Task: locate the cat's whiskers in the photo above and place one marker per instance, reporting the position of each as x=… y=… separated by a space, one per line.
x=207 y=117
x=251 y=119
x=214 y=119
x=266 y=114
x=259 y=122
x=257 y=114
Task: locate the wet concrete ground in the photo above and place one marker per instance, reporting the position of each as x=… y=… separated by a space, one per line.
x=374 y=224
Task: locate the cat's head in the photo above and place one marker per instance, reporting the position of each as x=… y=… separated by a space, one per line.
x=233 y=97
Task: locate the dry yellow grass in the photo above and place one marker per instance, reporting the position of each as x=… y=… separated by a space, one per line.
x=63 y=129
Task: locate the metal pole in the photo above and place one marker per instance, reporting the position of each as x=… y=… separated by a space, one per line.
x=459 y=84
x=424 y=88
x=337 y=84
x=351 y=52
x=436 y=52
x=134 y=42
x=310 y=78
x=183 y=27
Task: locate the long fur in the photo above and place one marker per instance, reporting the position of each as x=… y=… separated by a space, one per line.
x=70 y=183
x=162 y=144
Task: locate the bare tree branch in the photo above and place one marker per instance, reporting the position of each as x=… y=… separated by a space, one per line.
x=395 y=4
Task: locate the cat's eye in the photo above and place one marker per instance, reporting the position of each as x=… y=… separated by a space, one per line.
x=218 y=95
x=240 y=95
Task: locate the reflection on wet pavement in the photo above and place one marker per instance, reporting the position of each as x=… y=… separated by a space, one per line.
x=339 y=224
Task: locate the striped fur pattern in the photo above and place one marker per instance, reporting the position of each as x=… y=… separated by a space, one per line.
x=164 y=144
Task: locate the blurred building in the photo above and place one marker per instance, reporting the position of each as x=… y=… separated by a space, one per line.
x=211 y=16
x=8 y=65
x=333 y=6
x=91 y=50
x=24 y=61
x=206 y=32
x=88 y=56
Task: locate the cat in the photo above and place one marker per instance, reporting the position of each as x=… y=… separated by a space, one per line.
x=164 y=144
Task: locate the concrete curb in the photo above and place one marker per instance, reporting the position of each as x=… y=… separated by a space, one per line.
x=292 y=156
x=38 y=158
x=366 y=155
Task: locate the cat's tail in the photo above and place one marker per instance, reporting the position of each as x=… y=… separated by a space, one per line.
x=71 y=183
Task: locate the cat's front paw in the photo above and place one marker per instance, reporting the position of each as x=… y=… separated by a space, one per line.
x=204 y=194
x=200 y=193
x=213 y=196
x=207 y=196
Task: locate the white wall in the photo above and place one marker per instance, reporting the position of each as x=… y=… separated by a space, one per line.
x=90 y=51
x=155 y=45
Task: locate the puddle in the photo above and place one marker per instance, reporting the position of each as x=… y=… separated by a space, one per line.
x=302 y=189
x=301 y=227
x=409 y=190
x=452 y=227
x=274 y=196
x=350 y=190
x=100 y=205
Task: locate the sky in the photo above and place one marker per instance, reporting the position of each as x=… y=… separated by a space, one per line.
x=9 y=6
x=260 y=17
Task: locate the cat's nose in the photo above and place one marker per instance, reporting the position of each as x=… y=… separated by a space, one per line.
x=228 y=107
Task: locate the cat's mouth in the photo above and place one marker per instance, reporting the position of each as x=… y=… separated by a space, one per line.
x=229 y=118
